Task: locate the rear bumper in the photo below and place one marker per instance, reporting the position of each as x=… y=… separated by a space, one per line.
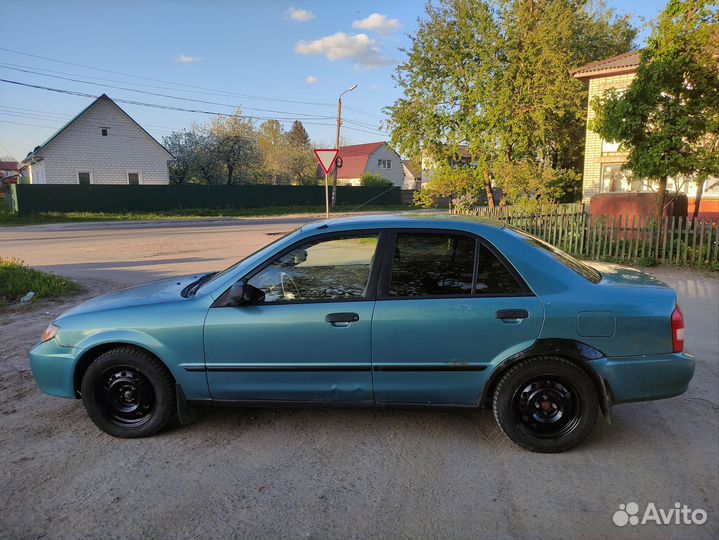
x=644 y=378
x=53 y=367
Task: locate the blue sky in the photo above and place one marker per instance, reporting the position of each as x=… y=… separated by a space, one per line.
x=272 y=58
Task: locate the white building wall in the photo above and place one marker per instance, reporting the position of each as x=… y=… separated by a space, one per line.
x=395 y=173
x=81 y=147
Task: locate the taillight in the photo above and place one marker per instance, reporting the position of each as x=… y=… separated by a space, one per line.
x=678 y=329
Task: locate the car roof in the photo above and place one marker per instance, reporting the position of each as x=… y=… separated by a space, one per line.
x=408 y=219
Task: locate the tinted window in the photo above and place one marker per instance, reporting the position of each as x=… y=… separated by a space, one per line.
x=133 y=178
x=588 y=273
x=83 y=178
x=332 y=269
x=493 y=277
x=432 y=265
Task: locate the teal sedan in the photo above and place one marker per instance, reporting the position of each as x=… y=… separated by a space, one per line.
x=392 y=310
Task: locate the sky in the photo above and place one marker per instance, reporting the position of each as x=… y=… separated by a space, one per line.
x=274 y=59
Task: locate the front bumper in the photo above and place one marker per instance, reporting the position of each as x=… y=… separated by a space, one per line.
x=644 y=378
x=53 y=367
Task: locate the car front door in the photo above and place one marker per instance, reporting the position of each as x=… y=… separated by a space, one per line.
x=304 y=332
x=447 y=308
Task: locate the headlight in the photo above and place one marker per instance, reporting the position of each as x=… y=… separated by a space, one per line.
x=50 y=332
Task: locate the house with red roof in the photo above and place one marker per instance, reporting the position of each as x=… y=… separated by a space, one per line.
x=375 y=158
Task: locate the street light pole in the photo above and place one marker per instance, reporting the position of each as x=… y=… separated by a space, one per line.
x=337 y=142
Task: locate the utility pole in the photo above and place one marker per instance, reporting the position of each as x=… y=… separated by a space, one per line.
x=337 y=141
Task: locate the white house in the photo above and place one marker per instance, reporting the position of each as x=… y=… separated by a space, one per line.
x=101 y=145
x=376 y=158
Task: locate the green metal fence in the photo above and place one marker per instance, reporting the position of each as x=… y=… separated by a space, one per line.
x=35 y=198
x=621 y=238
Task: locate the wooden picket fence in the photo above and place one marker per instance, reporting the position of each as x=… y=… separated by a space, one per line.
x=624 y=239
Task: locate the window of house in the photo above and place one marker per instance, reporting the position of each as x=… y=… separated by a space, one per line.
x=133 y=178
x=83 y=178
x=103 y=131
x=331 y=269
x=610 y=146
x=384 y=163
x=427 y=264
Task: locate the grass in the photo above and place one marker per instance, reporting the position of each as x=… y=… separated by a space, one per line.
x=16 y=280
x=8 y=219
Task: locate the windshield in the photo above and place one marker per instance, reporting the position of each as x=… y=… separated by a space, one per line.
x=587 y=272
x=256 y=255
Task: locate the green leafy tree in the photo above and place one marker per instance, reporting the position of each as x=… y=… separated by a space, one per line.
x=493 y=76
x=668 y=118
x=194 y=162
x=299 y=160
x=273 y=146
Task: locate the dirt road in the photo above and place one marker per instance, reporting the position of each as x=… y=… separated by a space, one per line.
x=328 y=473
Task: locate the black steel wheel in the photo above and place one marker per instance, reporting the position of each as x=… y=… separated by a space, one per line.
x=546 y=404
x=128 y=393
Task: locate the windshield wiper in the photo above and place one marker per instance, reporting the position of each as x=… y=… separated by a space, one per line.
x=191 y=289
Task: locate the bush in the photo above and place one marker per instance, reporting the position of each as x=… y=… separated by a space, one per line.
x=377 y=180
x=16 y=280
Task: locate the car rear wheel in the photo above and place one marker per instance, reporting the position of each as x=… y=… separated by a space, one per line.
x=546 y=404
x=128 y=393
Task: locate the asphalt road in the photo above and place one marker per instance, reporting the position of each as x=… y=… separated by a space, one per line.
x=328 y=473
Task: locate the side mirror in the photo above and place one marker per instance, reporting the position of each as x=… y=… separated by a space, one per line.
x=236 y=294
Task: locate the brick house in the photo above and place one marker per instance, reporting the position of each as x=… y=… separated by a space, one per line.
x=603 y=160
x=101 y=145
x=375 y=158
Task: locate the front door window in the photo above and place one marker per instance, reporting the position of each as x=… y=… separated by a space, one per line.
x=332 y=269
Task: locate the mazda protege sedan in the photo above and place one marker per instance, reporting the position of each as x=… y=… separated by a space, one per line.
x=391 y=310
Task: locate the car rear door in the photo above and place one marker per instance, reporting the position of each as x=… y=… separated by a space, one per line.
x=304 y=335
x=448 y=307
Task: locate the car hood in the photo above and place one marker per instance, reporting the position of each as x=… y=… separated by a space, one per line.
x=154 y=292
x=614 y=274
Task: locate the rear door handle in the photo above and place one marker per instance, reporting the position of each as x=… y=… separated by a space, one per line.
x=341 y=319
x=503 y=314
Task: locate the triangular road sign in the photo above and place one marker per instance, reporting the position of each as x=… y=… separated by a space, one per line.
x=326 y=157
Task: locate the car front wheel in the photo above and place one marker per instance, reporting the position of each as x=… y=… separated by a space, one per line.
x=546 y=404
x=128 y=393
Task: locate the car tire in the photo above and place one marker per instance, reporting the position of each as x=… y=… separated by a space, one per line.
x=546 y=404
x=128 y=393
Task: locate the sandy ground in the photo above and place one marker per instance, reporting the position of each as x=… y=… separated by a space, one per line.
x=327 y=473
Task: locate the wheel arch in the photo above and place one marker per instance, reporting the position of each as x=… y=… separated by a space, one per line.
x=576 y=352
x=94 y=352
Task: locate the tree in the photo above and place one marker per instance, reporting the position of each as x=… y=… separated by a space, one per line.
x=300 y=162
x=273 y=146
x=235 y=146
x=297 y=135
x=492 y=78
x=668 y=118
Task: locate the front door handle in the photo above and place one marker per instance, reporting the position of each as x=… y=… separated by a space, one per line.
x=341 y=319
x=503 y=314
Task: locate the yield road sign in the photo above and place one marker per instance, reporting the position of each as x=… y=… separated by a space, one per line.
x=326 y=157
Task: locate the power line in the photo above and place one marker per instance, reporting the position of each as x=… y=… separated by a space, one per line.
x=155 y=105
x=164 y=95
x=248 y=96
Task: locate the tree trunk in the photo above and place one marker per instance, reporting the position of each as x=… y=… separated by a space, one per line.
x=661 y=194
x=488 y=190
x=698 y=199
x=230 y=171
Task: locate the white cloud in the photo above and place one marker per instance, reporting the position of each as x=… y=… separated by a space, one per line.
x=300 y=15
x=311 y=79
x=359 y=48
x=188 y=59
x=378 y=23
